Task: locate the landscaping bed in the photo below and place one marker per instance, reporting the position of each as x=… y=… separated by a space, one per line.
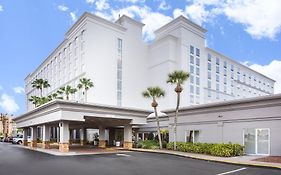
x=271 y=159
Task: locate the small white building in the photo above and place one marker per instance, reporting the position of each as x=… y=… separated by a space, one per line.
x=121 y=65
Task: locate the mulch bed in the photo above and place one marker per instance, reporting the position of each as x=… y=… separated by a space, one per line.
x=272 y=159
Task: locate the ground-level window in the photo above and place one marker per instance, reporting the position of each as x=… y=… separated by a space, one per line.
x=257 y=141
x=192 y=136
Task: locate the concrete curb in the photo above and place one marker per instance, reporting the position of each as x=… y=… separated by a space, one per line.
x=71 y=153
x=208 y=159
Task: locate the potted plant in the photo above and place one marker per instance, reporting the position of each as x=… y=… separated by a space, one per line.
x=96 y=139
x=119 y=138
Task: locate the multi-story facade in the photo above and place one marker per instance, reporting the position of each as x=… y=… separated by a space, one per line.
x=7 y=125
x=121 y=65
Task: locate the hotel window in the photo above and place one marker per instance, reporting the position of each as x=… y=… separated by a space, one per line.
x=217 y=69
x=191 y=69
x=224 y=89
x=209 y=93
x=197 y=62
x=217 y=78
x=119 y=72
x=218 y=87
x=209 y=75
x=224 y=64
x=225 y=72
x=191 y=99
x=191 y=49
x=231 y=83
x=209 y=66
x=197 y=90
x=192 y=136
x=197 y=81
x=209 y=57
x=217 y=61
x=209 y=85
x=238 y=77
x=191 y=79
x=191 y=89
x=191 y=59
x=232 y=75
x=197 y=71
x=224 y=80
x=232 y=68
x=197 y=52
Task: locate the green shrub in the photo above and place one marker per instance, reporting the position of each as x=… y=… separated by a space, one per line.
x=148 y=144
x=215 y=149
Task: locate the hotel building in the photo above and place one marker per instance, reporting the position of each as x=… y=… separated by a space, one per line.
x=121 y=65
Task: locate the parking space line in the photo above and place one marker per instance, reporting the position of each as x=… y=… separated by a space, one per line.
x=124 y=155
x=233 y=171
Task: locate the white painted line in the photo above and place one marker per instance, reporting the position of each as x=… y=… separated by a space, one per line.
x=233 y=171
x=124 y=155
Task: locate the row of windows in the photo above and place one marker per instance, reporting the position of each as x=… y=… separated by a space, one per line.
x=248 y=80
x=66 y=65
x=119 y=72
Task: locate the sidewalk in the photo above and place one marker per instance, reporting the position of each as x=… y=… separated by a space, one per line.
x=77 y=151
x=241 y=160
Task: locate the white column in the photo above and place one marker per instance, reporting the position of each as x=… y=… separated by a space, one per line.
x=83 y=136
x=46 y=136
x=128 y=136
x=24 y=132
x=64 y=136
x=102 y=143
x=33 y=136
x=58 y=134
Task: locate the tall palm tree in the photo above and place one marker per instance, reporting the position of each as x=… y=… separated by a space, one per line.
x=67 y=90
x=177 y=77
x=86 y=84
x=154 y=93
x=40 y=84
x=35 y=100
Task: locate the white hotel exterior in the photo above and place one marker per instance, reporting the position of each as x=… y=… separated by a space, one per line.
x=121 y=65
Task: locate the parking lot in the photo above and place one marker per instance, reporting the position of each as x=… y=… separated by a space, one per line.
x=15 y=160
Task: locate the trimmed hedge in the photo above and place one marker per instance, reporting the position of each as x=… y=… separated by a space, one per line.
x=214 y=149
x=148 y=144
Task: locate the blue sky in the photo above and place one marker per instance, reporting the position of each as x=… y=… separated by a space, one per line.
x=245 y=30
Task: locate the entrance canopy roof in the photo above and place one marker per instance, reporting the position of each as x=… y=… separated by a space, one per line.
x=60 y=110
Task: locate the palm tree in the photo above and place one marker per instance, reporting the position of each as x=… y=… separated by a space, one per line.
x=40 y=84
x=35 y=100
x=177 y=77
x=86 y=84
x=67 y=91
x=154 y=93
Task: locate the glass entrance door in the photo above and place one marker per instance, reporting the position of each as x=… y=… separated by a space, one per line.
x=257 y=141
x=262 y=141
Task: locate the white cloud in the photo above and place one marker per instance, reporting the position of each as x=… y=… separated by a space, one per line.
x=90 y=1
x=164 y=6
x=63 y=8
x=260 y=18
x=132 y=1
x=73 y=16
x=18 y=90
x=152 y=20
x=271 y=70
x=8 y=104
x=102 y=5
x=178 y=12
x=1 y=8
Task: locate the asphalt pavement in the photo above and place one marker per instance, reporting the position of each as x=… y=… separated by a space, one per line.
x=15 y=160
